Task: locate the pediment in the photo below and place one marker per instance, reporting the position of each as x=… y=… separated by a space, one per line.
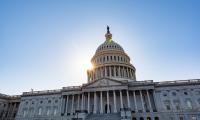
x=104 y=82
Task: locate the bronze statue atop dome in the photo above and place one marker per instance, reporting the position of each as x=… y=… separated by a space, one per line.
x=108 y=31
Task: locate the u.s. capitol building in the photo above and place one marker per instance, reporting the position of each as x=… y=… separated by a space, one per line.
x=111 y=93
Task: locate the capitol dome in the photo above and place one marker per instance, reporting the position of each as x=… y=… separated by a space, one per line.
x=111 y=61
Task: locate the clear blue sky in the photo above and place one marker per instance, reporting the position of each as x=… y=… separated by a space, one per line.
x=47 y=44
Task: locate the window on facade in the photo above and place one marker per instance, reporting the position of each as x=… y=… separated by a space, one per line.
x=55 y=111
x=185 y=93
x=49 y=101
x=165 y=94
x=107 y=58
x=110 y=57
x=181 y=118
x=31 y=111
x=41 y=102
x=48 y=111
x=174 y=93
x=167 y=104
x=189 y=103
x=198 y=100
x=177 y=104
x=40 y=111
x=24 y=113
x=197 y=92
x=56 y=101
x=114 y=58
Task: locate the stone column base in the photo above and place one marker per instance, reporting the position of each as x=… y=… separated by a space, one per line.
x=125 y=113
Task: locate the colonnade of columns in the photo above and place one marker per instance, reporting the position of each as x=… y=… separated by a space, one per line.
x=10 y=112
x=111 y=71
x=90 y=99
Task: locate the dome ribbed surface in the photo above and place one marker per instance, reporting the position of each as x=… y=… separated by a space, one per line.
x=109 y=45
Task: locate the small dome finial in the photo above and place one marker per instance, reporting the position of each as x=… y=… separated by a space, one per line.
x=108 y=34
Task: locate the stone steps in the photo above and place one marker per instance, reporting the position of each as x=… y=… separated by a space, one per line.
x=111 y=116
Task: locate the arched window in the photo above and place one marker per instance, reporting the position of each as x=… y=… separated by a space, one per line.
x=40 y=111
x=55 y=110
x=167 y=104
x=177 y=104
x=189 y=103
x=48 y=111
x=24 y=112
x=31 y=110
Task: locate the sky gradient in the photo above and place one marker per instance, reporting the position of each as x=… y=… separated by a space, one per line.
x=48 y=44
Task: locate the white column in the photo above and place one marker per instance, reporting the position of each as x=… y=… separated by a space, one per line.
x=78 y=107
x=72 y=109
x=105 y=71
x=88 y=102
x=128 y=100
x=135 y=102
x=82 y=102
x=95 y=102
x=142 y=100
x=101 y=109
x=114 y=71
x=67 y=104
x=110 y=71
x=149 y=101
x=108 y=108
x=115 y=107
x=63 y=104
x=119 y=72
x=130 y=73
x=121 y=100
x=127 y=72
